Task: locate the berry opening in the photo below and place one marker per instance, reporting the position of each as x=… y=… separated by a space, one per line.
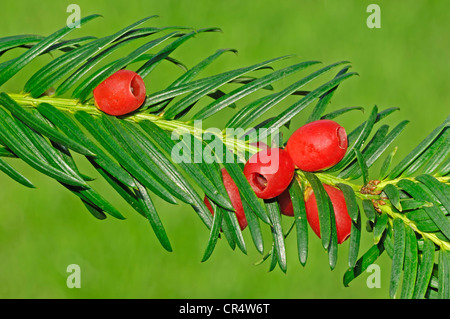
x=259 y=181
x=345 y=238
x=135 y=86
x=342 y=137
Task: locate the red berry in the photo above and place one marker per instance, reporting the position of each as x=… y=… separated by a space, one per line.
x=269 y=172
x=317 y=145
x=121 y=93
x=343 y=220
x=285 y=203
x=235 y=198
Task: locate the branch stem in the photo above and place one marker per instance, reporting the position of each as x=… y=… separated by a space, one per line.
x=237 y=145
x=383 y=184
x=388 y=209
x=73 y=105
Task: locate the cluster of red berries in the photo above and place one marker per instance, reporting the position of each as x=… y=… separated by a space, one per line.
x=313 y=147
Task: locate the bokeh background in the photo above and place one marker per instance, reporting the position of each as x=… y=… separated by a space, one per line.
x=403 y=64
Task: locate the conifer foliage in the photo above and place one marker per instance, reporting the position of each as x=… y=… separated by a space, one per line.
x=405 y=205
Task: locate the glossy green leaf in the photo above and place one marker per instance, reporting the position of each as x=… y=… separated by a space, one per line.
x=388 y=241
x=9 y=71
x=335 y=114
x=64 y=152
x=159 y=171
x=93 y=197
x=188 y=76
x=424 y=270
x=145 y=69
x=53 y=157
x=355 y=238
x=410 y=265
x=380 y=226
x=94 y=210
x=385 y=167
x=47 y=151
x=70 y=81
x=27 y=41
x=274 y=259
x=15 y=41
x=214 y=233
x=95 y=203
x=66 y=63
x=277 y=233
x=323 y=207
x=398 y=256
x=439 y=157
x=333 y=246
x=355 y=133
x=14 y=174
x=115 y=149
x=324 y=100
x=210 y=166
x=350 y=200
x=440 y=190
x=198 y=68
x=301 y=222
x=152 y=216
x=169 y=93
x=67 y=125
x=163 y=162
x=353 y=170
x=126 y=192
x=393 y=194
x=431 y=294
x=418 y=215
x=12 y=137
x=428 y=226
x=359 y=141
x=433 y=212
x=4 y=152
x=362 y=165
x=247 y=89
x=428 y=154
x=233 y=226
x=208 y=185
x=220 y=197
x=369 y=210
x=226 y=231
x=40 y=126
x=412 y=204
x=417 y=151
x=156 y=98
x=444 y=274
x=443 y=169
x=183 y=103
x=374 y=150
x=284 y=117
x=249 y=114
x=68 y=45
x=254 y=227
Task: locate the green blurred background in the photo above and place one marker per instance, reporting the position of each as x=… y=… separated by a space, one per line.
x=403 y=64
